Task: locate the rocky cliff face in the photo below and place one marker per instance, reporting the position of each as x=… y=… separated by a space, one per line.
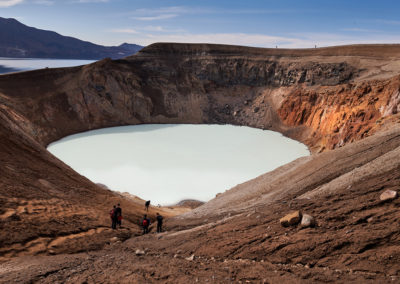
x=319 y=98
x=344 y=113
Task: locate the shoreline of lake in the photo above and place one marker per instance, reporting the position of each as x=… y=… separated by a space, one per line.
x=11 y=65
x=170 y=163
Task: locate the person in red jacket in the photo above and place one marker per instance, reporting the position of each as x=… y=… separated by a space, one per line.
x=145 y=224
x=114 y=217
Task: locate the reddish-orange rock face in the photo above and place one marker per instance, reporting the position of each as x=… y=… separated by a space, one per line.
x=341 y=114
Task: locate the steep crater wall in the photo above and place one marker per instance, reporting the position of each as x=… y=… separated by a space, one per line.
x=325 y=98
x=304 y=95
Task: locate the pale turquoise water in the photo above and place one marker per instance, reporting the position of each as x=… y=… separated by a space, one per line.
x=169 y=163
x=8 y=65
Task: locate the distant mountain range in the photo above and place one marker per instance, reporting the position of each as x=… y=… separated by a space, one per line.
x=20 y=41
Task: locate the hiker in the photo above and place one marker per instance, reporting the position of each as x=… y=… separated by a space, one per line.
x=159 y=222
x=114 y=218
x=145 y=224
x=118 y=211
x=146 y=205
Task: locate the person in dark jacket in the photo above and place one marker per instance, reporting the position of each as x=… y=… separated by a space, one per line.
x=146 y=205
x=114 y=218
x=145 y=224
x=159 y=222
x=118 y=211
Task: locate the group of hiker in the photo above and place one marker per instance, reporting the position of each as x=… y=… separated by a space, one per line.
x=116 y=218
x=146 y=223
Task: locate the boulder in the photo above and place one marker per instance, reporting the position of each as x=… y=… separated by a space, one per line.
x=291 y=219
x=388 y=195
x=190 y=258
x=307 y=221
x=139 y=252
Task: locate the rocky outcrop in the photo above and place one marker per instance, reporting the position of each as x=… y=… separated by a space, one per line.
x=344 y=113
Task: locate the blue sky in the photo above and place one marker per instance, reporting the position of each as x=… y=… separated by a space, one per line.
x=286 y=23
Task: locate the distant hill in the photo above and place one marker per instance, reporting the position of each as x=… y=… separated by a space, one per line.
x=20 y=41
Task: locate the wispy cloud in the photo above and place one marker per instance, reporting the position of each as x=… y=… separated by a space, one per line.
x=162 y=13
x=360 y=30
x=220 y=38
x=162 y=10
x=160 y=29
x=9 y=3
x=90 y=1
x=138 y=30
x=332 y=39
x=124 y=31
x=387 y=22
x=307 y=40
x=155 y=18
x=260 y=11
x=154 y=29
x=44 y=2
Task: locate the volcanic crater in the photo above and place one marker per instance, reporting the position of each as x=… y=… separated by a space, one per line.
x=342 y=102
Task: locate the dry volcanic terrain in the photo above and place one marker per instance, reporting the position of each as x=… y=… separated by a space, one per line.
x=331 y=217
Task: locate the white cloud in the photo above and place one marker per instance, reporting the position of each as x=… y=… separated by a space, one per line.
x=124 y=31
x=160 y=29
x=162 y=13
x=140 y=30
x=9 y=3
x=308 y=40
x=154 y=29
x=162 y=10
x=155 y=18
x=220 y=38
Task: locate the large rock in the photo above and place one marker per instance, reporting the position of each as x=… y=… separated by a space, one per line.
x=388 y=195
x=307 y=221
x=114 y=239
x=291 y=219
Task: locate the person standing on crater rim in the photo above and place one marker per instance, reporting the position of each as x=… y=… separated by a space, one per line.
x=118 y=212
x=145 y=224
x=159 y=222
x=146 y=205
x=114 y=218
